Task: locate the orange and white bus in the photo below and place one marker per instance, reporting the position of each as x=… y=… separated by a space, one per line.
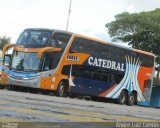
x=66 y=62
x=5 y=64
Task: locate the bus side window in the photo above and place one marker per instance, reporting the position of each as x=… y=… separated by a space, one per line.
x=59 y=40
x=113 y=79
x=52 y=43
x=79 y=45
x=46 y=65
x=51 y=60
x=66 y=70
x=118 y=78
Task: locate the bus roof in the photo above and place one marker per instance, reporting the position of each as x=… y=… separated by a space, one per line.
x=91 y=38
x=53 y=30
x=120 y=46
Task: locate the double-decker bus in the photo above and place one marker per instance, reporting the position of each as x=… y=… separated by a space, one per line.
x=66 y=62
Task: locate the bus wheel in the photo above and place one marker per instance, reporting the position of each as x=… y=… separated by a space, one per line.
x=131 y=99
x=11 y=87
x=61 y=89
x=72 y=96
x=2 y=87
x=122 y=98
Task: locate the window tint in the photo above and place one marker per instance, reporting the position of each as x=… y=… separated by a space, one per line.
x=51 y=60
x=34 y=38
x=146 y=60
x=93 y=73
x=86 y=72
x=25 y=61
x=108 y=51
x=98 y=49
x=87 y=46
x=59 y=40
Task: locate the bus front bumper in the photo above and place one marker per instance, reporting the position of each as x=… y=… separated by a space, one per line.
x=24 y=82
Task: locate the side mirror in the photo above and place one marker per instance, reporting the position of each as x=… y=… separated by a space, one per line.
x=7 y=60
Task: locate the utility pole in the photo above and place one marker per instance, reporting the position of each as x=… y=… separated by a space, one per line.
x=69 y=12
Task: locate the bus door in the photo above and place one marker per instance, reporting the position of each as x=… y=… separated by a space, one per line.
x=49 y=63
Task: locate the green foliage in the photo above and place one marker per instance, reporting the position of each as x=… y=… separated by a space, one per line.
x=3 y=41
x=140 y=30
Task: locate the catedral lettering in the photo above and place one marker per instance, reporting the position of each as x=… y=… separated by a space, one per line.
x=106 y=64
x=55 y=60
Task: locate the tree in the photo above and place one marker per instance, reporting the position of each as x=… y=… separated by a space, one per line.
x=3 y=41
x=139 y=30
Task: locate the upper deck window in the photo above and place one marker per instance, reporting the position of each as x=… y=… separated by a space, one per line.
x=34 y=38
x=59 y=40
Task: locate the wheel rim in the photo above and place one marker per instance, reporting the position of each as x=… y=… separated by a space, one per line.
x=132 y=99
x=61 y=90
x=122 y=98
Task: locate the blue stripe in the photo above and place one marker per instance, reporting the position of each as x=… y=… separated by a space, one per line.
x=129 y=84
x=127 y=72
x=22 y=74
x=136 y=68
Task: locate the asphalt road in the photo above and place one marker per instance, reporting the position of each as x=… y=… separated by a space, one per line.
x=26 y=107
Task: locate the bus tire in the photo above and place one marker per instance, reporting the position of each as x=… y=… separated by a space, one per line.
x=96 y=98
x=131 y=99
x=80 y=97
x=61 y=90
x=72 y=96
x=122 y=97
x=10 y=87
x=2 y=87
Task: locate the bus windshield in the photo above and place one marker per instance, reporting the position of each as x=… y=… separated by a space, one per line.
x=33 y=38
x=24 y=61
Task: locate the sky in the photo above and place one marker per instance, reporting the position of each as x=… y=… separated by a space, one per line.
x=87 y=17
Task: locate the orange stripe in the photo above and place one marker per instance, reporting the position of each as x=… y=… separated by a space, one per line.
x=47 y=49
x=144 y=74
x=143 y=52
x=6 y=47
x=27 y=49
x=107 y=91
